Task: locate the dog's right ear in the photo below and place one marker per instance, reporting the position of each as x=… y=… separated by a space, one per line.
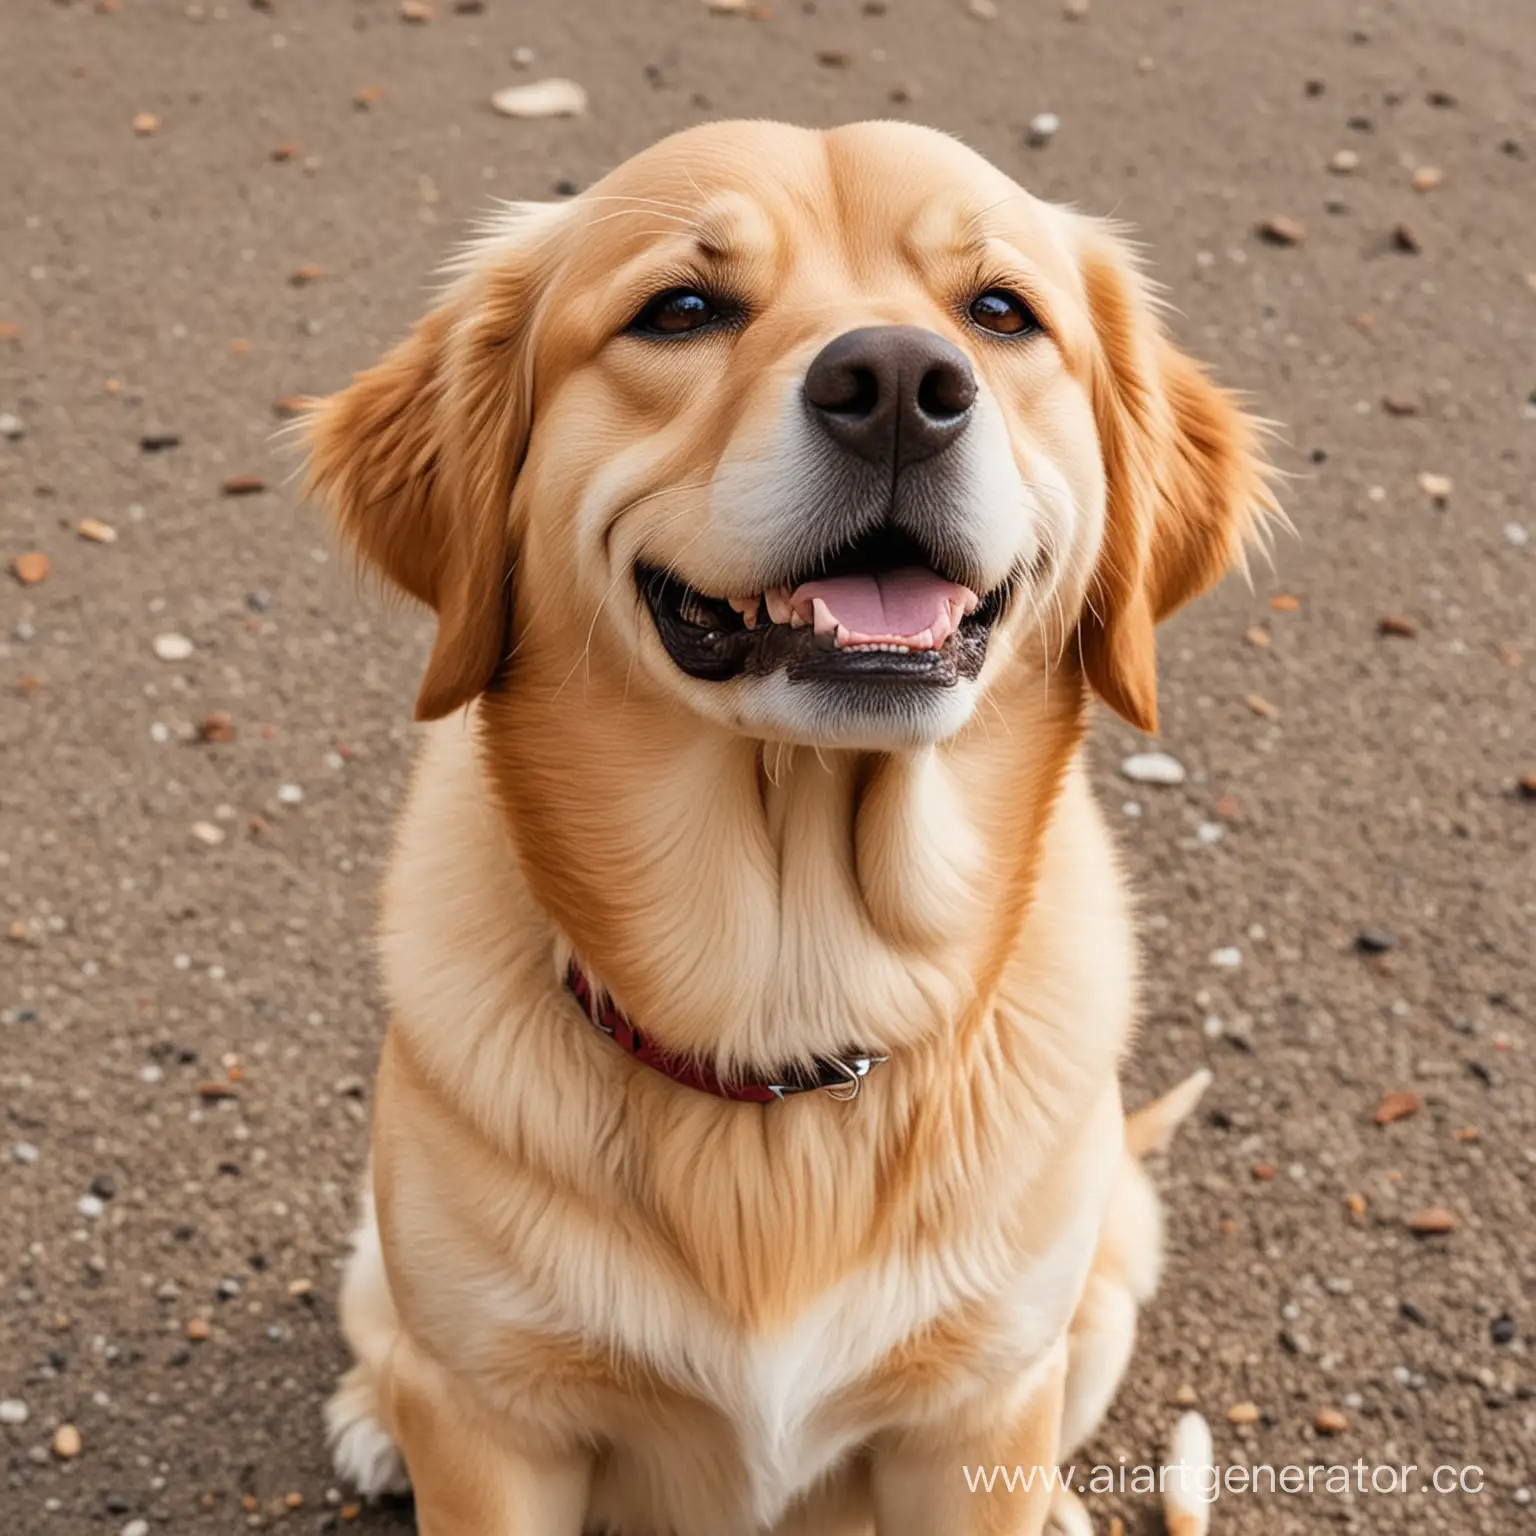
x=418 y=456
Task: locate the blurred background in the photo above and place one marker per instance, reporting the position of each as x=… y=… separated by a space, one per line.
x=206 y=210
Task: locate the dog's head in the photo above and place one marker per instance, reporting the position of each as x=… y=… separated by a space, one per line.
x=814 y=433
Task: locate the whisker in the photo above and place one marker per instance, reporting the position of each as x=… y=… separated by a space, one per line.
x=655 y=213
x=629 y=197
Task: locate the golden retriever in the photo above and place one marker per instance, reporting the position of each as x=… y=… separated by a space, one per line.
x=781 y=499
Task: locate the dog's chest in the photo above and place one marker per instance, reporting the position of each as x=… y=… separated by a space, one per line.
x=781 y=1407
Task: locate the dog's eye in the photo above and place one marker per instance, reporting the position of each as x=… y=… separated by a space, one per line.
x=677 y=312
x=1002 y=313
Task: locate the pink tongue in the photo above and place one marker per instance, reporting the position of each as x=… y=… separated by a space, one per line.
x=914 y=607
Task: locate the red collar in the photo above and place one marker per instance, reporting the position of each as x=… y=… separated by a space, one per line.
x=842 y=1074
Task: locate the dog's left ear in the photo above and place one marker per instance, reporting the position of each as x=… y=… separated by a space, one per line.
x=1187 y=483
x=417 y=458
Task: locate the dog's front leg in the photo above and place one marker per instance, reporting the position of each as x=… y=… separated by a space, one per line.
x=988 y=1475
x=471 y=1475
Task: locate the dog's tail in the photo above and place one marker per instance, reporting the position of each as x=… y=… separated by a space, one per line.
x=1152 y=1126
x=1189 y=1472
x=1189 y=1466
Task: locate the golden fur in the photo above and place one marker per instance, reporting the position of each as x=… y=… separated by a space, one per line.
x=594 y=1299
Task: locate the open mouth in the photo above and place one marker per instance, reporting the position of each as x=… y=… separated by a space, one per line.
x=877 y=610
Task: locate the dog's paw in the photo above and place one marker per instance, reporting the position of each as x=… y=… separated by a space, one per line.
x=364 y=1455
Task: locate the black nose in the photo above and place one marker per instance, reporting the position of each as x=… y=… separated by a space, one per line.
x=893 y=394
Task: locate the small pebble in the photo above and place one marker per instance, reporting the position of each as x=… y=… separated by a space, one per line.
x=136 y=1528
x=1432 y=1221
x=24 y=1153
x=1397 y=1106
x=1427 y=178
x=1280 y=229
x=1374 y=941
x=1330 y=1421
x=66 y=1442
x=290 y=794
x=31 y=568
x=94 y=531
x=1345 y=161
x=1243 y=1413
x=1436 y=487
x=208 y=833
x=1043 y=127
x=217 y=728
x=1228 y=959
x=13 y=1411
x=1517 y=534
x=11 y=426
x=1502 y=1329
x=1153 y=768
x=172 y=647
x=542 y=98
x=91 y=1207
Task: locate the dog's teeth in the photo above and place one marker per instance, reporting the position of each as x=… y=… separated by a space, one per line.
x=777 y=601
x=795 y=621
x=747 y=607
x=822 y=620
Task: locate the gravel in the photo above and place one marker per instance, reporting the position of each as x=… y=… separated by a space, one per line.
x=178 y=1013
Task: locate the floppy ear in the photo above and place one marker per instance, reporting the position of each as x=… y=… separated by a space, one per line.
x=417 y=459
x=1187 y=483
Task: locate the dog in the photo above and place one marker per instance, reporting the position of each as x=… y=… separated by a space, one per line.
x=748 y=1153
